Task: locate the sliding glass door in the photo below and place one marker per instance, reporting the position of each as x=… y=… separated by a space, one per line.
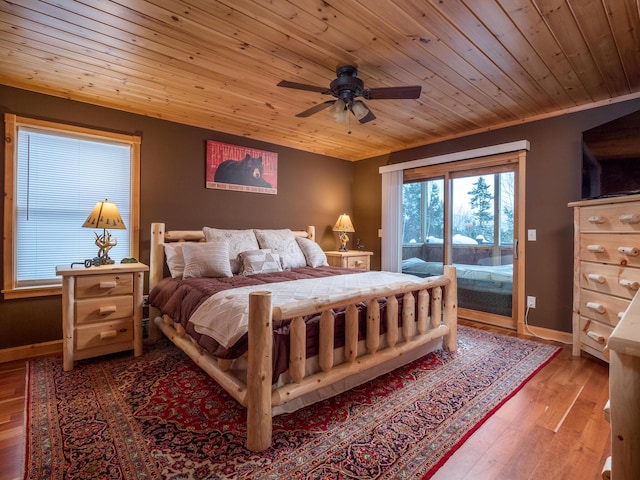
x=465 y=217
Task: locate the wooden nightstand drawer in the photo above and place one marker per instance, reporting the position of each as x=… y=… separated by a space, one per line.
x=101 y=309
x=360 y=262
x=107 y=333
x=354 y=259
x=102 y=285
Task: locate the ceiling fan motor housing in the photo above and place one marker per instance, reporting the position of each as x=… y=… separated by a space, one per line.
x=347 y=86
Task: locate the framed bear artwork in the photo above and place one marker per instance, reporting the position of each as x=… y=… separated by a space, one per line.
x=241 y=169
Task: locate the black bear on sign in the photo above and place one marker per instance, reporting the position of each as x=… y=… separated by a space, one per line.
x=247 y=171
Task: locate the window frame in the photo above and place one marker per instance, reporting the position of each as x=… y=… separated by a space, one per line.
x=12 y=123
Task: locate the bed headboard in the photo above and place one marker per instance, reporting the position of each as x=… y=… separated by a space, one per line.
x=160 y=236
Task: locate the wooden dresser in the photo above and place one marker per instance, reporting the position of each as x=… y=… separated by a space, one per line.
x=624 y=395
x=101 y=310
x=355 y=259
x=607 y=268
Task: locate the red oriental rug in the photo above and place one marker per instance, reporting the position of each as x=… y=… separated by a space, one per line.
x=159 y=416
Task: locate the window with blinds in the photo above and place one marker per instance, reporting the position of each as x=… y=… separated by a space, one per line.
x=59 y=175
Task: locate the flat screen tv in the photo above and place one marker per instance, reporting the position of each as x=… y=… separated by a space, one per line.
x=611 y=158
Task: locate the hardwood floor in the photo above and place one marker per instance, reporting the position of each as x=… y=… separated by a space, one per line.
x=552 y=428
x=12 y=410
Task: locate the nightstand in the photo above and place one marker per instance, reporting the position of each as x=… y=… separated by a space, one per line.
x=101 y=310
x=354 y=259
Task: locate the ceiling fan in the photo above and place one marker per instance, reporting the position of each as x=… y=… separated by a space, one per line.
x=347 y=87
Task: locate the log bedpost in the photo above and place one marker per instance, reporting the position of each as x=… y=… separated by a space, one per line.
x=298 y=347
x=392 y=320
x=351 y=333
x=325 y=348
x=259 y=372
x=423 y=311
x=156 y=272
x=373 y=326
x=451 y=309
x=408 y=317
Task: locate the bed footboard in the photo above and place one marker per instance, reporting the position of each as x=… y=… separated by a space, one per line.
x=436 y=318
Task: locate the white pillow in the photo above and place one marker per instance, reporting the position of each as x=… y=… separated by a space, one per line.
x=284 y=243
x=175 y=259
x=206 y=260
x=312 y=252
x=237 y=240
x=260 y=261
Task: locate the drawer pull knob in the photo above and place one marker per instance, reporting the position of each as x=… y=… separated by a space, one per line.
x=633 y=285
x=630 y=218
x=108 y=334
x=108 y=284
x=359 y=262
x=631 y=251
x=596 y=277
x=596 y=337
x=598 y=307
x=108 y=309
x=595 y=248
x=596 y=219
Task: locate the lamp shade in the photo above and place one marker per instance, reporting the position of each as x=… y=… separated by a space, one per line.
x=105 y=215
x=359 y=109
x=340 y=111
x=343 y=224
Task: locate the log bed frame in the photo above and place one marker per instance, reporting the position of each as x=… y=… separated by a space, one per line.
x=257 y=395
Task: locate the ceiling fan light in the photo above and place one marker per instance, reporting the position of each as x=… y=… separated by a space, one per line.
x=337 y=107
x=339 y=111
x=359 y=109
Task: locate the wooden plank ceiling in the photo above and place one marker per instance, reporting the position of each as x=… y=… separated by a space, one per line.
x=215 y=64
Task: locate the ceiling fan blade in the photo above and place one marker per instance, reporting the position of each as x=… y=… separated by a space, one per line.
x=408 y=92
x=368 y=117
x=316 y=108
x=302 y=86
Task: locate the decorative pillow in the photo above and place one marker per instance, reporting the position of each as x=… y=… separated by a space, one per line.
x=260 y=261
x=284 y=243
x=175 y=259
x=204 y=259
x=312 y=252
x=237 y=240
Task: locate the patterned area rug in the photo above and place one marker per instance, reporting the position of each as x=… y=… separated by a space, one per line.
x=159 y=416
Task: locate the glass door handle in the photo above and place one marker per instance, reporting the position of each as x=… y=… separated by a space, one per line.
x=515 y=248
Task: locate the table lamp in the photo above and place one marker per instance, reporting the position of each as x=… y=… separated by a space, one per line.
x=105 y=215
x=343 y=225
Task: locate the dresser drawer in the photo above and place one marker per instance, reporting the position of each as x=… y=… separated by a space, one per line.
x=610 y=279
x=104 y=333
x=624 y=217
x=615 y=249
x=104 y=285
x=360 y=262
x=604 y=308
x=594 y=334
x=100 y=309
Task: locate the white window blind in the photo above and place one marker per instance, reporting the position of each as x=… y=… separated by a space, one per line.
x=59 y=179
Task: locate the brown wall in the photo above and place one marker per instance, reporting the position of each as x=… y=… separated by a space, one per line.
x=553 y=180
x=312 y=190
